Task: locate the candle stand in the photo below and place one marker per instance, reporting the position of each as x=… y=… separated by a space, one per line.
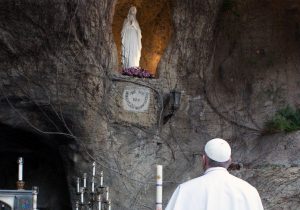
x=94 y=198
x=20 y=185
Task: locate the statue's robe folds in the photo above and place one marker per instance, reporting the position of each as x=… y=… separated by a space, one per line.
x=131 y=43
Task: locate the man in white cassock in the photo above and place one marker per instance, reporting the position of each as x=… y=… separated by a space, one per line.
x=131 y=40
x=216 y=189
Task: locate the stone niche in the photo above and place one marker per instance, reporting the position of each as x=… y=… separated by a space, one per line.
x=154 y=18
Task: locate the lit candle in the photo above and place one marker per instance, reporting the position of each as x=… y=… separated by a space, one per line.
x=107 y=193
x=159 y=182
x=20 y=174
x=93 y=184
x=101 y=179
x=99 y=201
x=34 y=197
x=94 y=168
x=82 y=195
x=109 y=205
x=78 y=185
x=84 y=180
x=77 y=205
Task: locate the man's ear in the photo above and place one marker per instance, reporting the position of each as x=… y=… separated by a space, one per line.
x=204 y=162
x=203 y=159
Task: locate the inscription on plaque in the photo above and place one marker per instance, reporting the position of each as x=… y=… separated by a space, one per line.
x=136 y=99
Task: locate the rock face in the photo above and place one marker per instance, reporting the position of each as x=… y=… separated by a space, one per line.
x=234 y=62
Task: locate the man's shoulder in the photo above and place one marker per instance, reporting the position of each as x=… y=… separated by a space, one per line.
x=242 y=183
x=193 y=182
x=206 y=178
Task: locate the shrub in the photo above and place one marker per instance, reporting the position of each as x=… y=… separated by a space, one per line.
x=285 y=120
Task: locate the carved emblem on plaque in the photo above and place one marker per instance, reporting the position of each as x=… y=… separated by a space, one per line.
x=136 y=99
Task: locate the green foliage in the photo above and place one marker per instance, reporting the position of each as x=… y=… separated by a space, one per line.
x=285 y=120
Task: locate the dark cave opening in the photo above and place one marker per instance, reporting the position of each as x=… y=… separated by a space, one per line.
x=43 y=166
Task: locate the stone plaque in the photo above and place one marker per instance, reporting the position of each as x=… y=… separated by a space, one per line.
x=136 y=99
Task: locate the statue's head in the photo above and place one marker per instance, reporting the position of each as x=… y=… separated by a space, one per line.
x=132 y=10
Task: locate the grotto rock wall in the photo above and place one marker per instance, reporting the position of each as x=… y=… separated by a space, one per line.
x=234 y=62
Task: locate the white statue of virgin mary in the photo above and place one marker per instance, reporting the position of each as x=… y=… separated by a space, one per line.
x=131 y=40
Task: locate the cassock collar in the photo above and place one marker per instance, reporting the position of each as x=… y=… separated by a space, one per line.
x=221 y=169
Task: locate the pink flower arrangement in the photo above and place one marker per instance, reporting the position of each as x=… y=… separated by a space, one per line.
x=136 y=72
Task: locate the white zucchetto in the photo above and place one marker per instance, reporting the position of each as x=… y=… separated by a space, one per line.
x=218 y=150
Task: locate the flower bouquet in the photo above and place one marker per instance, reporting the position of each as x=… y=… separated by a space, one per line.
x=136 y=72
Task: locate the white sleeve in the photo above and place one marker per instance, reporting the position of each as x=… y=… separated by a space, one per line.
x=172 y=202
